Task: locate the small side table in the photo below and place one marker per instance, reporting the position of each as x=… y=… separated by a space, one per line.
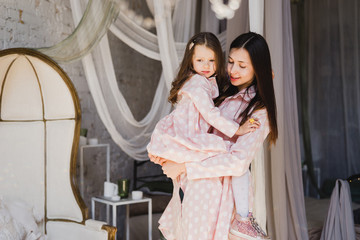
x=127 y=202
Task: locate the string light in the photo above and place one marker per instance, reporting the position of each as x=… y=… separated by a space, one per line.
x=224 y=10
x=147 y=23
x=220 y=9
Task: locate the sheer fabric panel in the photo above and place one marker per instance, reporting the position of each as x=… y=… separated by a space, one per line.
x=94 y=23
x=333 y=79
x=131 y=135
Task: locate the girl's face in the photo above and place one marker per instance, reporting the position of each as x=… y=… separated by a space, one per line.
x=240 y=68
x=203 y=61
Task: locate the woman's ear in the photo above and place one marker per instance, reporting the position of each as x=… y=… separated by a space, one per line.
x=273 y=75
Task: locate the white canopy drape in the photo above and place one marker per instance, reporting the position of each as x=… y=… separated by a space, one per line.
x=284 y=169
x=132 y=135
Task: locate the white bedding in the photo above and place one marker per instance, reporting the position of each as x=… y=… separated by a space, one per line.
x=19 y=221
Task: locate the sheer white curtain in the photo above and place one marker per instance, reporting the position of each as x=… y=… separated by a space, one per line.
x=284 y=171
x=131 y=135
x=288 y=206
x=96 y=17
x=339 y=222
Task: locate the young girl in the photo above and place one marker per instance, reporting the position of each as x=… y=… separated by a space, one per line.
x=251 y=94
x=182 y=136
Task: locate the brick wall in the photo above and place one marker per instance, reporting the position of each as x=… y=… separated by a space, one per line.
x=41 y=23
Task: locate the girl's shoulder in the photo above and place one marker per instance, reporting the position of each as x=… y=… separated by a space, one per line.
x=196 y=80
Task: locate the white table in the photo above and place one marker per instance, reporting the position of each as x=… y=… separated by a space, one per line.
x=127 y=202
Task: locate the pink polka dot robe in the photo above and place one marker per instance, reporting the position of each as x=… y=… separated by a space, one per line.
x=182 y=135
x=207 y=207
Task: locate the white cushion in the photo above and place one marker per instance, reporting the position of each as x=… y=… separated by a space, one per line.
x=58 y=102
x=21 y=99
x=22 y=162
x=73 y=231
x=9 y=228
x=5 y=62
x=17 y=221
x=61 y=202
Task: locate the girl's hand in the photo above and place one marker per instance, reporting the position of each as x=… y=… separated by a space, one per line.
x=157 y=159
x=173 y=169
x=249 y=126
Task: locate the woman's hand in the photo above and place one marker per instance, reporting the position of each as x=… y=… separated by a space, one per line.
x=173 y=169
x=249 y=126
x=157 y=159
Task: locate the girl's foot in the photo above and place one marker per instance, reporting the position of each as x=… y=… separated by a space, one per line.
x=246 y=228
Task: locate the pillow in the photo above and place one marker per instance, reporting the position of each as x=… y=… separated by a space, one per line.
x=20 y=221
x=9 y=228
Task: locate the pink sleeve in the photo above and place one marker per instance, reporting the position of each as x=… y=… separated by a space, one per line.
x=237 y=161
x=199 y=90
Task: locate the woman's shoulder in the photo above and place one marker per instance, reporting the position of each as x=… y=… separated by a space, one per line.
x=260 y=114
x=261 y=111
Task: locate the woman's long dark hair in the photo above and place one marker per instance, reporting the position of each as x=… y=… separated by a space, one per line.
x=206 y=39
x=264 y=97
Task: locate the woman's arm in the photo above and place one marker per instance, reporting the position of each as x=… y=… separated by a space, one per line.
x=170 y=168
x=173 y=169
x=237 y=161
x=199 y=90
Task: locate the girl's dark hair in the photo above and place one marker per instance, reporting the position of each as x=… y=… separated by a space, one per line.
x=264 y=97
x=186 y=68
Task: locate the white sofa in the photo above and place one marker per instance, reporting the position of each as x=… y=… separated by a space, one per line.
x=39 y=135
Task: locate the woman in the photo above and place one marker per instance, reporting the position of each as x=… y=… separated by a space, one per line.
x=208 y=203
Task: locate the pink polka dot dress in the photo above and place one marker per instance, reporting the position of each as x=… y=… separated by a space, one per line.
x=208 y=205
x=182 y=135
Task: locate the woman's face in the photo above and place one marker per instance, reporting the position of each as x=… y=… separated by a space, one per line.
x=240 y=68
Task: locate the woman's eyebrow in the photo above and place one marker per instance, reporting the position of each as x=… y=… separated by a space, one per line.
x=241 y=61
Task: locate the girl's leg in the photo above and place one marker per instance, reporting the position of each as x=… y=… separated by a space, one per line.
x=244 y=225
x=240 y=186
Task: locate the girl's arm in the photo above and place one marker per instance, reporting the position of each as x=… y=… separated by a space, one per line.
x=199 y=90
x=237 y=161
